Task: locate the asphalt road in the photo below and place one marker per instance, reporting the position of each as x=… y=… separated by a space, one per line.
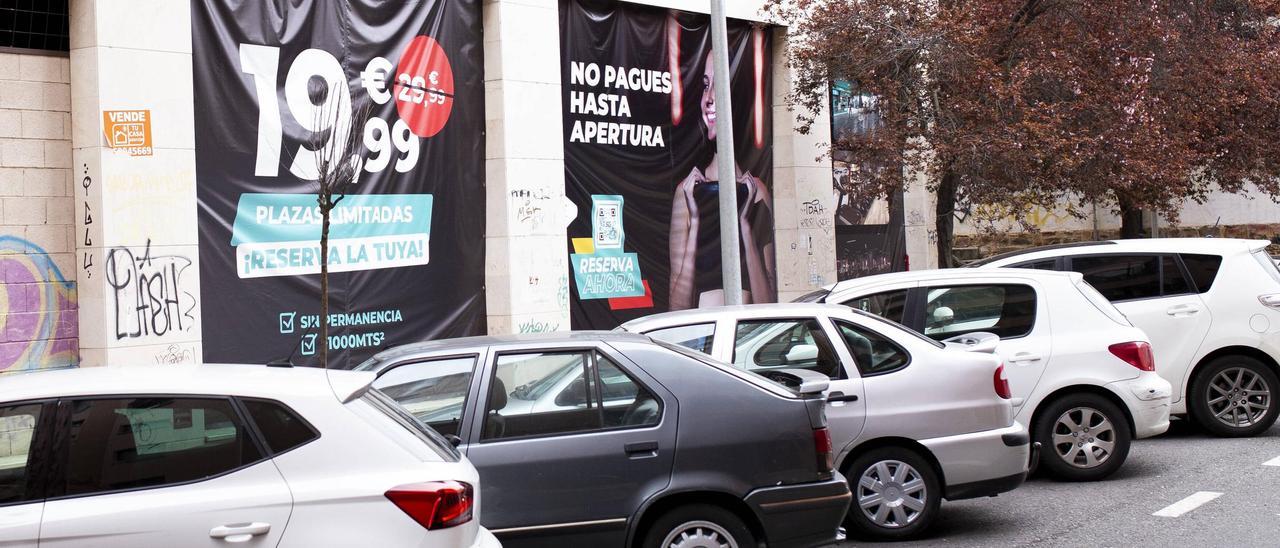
x=1159 y=472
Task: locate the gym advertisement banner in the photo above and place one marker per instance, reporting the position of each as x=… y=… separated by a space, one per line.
x=640 y=160
x=406 y=246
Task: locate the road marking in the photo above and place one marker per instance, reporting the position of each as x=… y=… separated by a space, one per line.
x=1272 y=462
x=1186 y=505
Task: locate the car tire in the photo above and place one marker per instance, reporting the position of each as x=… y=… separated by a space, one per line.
x=703 y=524
x=896 y=518
x=1083 y=437
x=1248 y=386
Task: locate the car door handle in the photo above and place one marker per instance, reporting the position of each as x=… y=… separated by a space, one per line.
x=841 y=396
x=1182 y=310
x=641 y=449
x=240 y=532
x=1025 y=357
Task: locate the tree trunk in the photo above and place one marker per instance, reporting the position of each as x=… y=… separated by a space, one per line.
x=324 y=287
x=1130 y=220
x=945 y=219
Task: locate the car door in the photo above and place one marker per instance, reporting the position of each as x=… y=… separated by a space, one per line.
x=161 y=471
x=1016 y=311
x=1153 y=291
x=570 y=442
x=759 y=345
x=23 y=464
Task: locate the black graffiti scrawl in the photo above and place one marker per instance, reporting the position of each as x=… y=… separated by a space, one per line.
x=407 y=247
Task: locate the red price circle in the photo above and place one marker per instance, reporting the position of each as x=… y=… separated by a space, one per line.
x=424 y=87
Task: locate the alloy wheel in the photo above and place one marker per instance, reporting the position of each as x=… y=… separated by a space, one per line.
x=1238 y=397
x=1084 y=437
x=699 y=534
x=892 y=494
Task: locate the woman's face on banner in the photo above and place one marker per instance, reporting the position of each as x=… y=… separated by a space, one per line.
x=709 y=99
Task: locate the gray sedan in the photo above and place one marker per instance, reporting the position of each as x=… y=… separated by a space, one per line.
x=611 y=439
x=913 y=420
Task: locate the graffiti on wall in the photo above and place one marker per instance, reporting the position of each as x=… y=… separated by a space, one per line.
x=149 y=298
x=38 y=320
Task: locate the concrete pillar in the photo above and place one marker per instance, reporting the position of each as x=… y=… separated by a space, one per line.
x=803 y=199
x=526 y=245
x=133 y=173
x=920 y=208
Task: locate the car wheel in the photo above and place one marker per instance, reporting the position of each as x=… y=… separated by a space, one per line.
x=1234 y=396
x=699 y=526
x=896 y=495
x=1084 y=437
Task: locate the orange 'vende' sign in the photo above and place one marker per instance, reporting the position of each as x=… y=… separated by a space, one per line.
x=128 y=130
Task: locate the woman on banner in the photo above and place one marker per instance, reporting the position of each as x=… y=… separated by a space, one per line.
x=696 y=273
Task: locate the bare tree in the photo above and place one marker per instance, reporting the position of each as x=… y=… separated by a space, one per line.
x=338 y=162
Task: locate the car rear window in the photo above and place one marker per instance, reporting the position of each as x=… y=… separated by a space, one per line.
x=399 y=415
x=1203 y=269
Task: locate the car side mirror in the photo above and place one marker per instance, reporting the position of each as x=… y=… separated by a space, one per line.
x=942 y=315
x=453 y=440
x=802 y=353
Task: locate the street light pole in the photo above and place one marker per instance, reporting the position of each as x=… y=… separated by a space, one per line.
x=730 y=260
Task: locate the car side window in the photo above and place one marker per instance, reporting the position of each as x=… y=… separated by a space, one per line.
x=1008 y=310
x=872 y=352
x=131 y=443
x=1171 y=279
x=694 y=337
x=541 y=393
x=280 y=427
x=626 y=402
x=434 y=391
x=1121 y=277
x=1039 y=264
x=18 y=425
x=784 y=344
x=1203 y=269
x=890 y=305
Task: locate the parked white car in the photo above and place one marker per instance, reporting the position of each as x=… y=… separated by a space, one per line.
x=1082 y=376
x=1211 y=307
x=214 y=455
x=912 y=420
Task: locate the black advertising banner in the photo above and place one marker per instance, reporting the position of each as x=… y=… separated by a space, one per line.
x=640 y=162
x=407 y=245
x=870 y=234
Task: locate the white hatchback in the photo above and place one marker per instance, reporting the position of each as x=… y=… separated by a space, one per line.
x=1082 y=377
x=1211 y=307
x=218 y=455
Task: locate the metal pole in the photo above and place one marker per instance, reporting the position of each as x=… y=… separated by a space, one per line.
x=730 y=260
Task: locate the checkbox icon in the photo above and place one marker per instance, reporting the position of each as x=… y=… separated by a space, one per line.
x=309 y=345
x=286 y=322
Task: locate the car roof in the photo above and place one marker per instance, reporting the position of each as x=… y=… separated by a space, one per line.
x=949 y=274
x=558 y=337
x=1218 y=246
x=208 y=379
x=710 y=314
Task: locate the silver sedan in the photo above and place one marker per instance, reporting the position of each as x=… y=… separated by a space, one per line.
x=913 y=421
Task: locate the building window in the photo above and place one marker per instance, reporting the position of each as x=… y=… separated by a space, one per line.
x=35 y=24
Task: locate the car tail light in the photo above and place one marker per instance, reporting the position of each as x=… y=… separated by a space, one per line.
x=1001 y=383
x=435 y=504
x=822 y=445
x=1271 y=301
x=1137 y=354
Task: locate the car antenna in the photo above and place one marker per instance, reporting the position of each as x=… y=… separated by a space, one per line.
x=288 y=361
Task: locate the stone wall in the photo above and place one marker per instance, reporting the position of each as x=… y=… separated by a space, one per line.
x=38 y=318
